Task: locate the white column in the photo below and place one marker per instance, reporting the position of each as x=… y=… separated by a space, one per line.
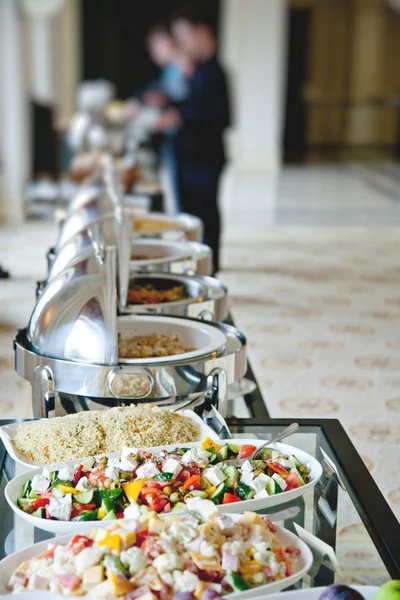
x=13 y=114
x=40 y=49
x=253 y=46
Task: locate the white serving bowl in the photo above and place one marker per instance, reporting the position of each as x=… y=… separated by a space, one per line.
x=286 y=538
x=15 y=486
x=205 y=339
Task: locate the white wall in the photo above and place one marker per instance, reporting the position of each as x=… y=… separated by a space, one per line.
x=253 y=47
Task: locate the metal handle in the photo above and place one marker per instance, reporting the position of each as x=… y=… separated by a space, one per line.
x=42 y=392
x=206 y=315
x=127 y=383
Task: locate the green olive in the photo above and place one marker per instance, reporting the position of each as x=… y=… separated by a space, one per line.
x=258 y=472
x=182 y=490
x=126 y=475
x=167 y=490
x=174 y=497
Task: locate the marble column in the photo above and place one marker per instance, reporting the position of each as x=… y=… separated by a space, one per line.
x=13 y=114
x=253 y=46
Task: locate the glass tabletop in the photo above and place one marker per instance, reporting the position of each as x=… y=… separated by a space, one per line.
x=345 y=511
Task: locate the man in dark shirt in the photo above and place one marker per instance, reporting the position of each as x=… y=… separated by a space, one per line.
x=201 y=120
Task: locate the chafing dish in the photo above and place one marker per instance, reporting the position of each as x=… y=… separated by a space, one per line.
x=205 y=297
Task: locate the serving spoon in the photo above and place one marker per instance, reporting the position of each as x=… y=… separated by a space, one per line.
x=238 y=462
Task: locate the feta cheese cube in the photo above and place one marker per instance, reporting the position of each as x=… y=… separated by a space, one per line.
x=205 y=508
x=83 y=485
x=195 y=456
x=112 y=473
x=66 y=473
x=49 y=470
x=127 y=464
x=60 y=508
x=147 y=471
x=214 y=475
x=261 y=494
x=247 y=478
x=171 y=465
x=247 y=466
x=113 y=462
x=260 y=482
x=280 y=481
x=132 y=512
x=40 y=483
x=126 y=452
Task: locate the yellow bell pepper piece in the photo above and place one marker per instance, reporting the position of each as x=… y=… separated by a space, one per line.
x=210 y=489
x=200 y=590
x=112 y=541
x=133 y=488
x=205 y=563
x=101 y=512
x=208 y=443
x=250 y=567
x=67 y=489
x=120 y=584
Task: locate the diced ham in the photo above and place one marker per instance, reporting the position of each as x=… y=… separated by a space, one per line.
x=230 y=562
x=68 y=581
x=139 y=591
x=37 y=583
x=18 y=579
x=269 y=524
x=293 y=551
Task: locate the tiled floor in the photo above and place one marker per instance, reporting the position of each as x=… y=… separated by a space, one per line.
x=312 y=261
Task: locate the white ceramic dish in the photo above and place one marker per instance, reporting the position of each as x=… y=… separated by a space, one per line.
x=367 y=591
x=304 y=563
x=206 y=339
x=15 y=486
x=7 y=434
x=162 y=251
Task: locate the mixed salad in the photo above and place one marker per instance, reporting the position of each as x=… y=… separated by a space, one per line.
x=204 y=554
x=138 y=481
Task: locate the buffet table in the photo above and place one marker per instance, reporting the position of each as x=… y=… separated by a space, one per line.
x=345 y=510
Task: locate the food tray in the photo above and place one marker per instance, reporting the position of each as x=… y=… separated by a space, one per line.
x=7 y=434
x=14 y=487
x=304 y=563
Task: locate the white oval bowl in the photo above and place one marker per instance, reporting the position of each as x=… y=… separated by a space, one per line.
x=15 y=486
x=304 y=563
x=206 y=339
x=8 y=432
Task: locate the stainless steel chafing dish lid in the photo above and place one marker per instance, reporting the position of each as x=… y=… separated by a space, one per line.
x=75 y=316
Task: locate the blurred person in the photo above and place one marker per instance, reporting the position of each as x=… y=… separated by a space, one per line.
x=201 y=119
x=171 y=86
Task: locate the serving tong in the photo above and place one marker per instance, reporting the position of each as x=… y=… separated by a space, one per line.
x=238 y=462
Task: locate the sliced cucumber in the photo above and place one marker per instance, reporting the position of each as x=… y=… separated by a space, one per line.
x=84 y=497
x=90 y=515
x=273 y=488
x=179 y=506
x=294 y=470
x=232 y=475
x=108 y=498
x=296 y=461
x=26 y=489
x=266 y=453
x=33 y=495
x=88 y=463
x=213 y=458
x=38 y=513
x=25 y=505
x=233 y=449
x=244 y=491
x=110 y=516
x=223 y=452
x=219 y=493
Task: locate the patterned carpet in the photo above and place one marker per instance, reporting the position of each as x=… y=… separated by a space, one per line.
x=321 y=309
